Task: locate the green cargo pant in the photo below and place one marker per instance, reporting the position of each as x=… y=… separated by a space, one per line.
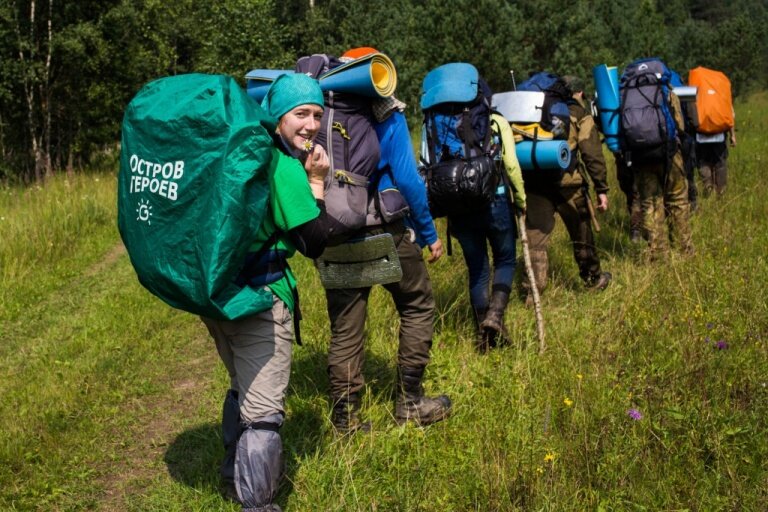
x=347 y=310
x=662 y=188
x=571 y=205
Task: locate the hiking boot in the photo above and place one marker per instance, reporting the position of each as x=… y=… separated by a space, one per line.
x=345 y=415
x=493 y=324
x=529 y=300
x=481 y=340
x=412 y=405
x=635 y=236
x=600 y=281
x=228 y=492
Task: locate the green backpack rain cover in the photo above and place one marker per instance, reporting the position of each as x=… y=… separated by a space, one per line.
x=192 y=191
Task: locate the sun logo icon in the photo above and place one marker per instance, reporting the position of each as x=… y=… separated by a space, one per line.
x=144 y=212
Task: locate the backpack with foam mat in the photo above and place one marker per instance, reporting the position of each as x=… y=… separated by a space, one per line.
x=462 y=175
x=348 y=135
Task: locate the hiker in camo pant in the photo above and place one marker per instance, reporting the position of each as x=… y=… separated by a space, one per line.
x=664 y=193
x=569 y=198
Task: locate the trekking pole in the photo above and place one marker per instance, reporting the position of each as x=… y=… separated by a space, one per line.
x=532 y=279
x=512 y=74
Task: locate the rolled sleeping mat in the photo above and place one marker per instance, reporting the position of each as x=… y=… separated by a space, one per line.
x=372 y=75
x=519 y=106
x=546 y=154
x=608 y=102
x=455 y=82
x=685 y=92
x=258 y=81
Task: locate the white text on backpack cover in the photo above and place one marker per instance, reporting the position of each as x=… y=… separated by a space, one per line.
x=158 y=178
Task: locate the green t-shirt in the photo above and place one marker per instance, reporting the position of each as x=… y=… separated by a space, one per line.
x=291 y=204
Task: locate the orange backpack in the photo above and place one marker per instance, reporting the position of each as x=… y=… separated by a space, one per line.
x=713 y=100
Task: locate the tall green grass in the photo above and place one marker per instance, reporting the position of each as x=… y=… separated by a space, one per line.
x=111 y=400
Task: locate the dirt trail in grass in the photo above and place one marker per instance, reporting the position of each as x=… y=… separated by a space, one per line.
x=142 y=449
x=155 y=418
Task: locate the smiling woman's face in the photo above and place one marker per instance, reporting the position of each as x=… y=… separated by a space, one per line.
x=300 y=125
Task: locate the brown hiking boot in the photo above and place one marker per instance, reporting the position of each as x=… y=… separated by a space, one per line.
x=412 y=405
x=493 y=324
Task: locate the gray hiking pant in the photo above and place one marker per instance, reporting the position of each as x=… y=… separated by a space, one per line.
x=256 y=351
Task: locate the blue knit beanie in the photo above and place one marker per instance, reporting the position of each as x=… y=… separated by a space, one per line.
x=289 y=91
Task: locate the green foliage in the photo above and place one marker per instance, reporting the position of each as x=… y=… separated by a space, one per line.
x=119 y=45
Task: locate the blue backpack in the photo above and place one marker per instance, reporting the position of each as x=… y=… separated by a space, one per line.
x=648 y=131
x=555 y=116
x=462 y=175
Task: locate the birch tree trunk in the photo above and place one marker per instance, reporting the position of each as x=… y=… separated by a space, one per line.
x=35 y=82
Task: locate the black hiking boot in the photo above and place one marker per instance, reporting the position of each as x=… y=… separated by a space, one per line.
x=345 y=415
x=412 y=405
x=599 y=281
x=493 y=324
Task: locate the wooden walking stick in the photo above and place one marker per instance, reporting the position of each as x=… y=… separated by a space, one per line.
x=532 y=280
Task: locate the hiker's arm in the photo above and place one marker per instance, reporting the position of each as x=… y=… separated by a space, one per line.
x=397 y=153
x=677 y=112
x=591 y=150
x=732 y=130
x=311 y=237
x=509 y=158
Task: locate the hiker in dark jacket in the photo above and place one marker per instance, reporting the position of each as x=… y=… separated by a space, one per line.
x=412 y=295
x=256 y=349
x=569 y=198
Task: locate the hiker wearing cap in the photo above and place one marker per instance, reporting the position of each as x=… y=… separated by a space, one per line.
x=412 y=294
x=256 y=350
x=569 y=198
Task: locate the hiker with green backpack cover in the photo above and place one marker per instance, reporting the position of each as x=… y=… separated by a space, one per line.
x=215 y=195
x=257 y=349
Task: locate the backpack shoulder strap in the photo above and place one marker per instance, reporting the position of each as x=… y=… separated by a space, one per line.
x=468 y=134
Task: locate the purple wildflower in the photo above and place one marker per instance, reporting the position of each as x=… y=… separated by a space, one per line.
x=635 y=414
x=710 y=325
x=721 y=345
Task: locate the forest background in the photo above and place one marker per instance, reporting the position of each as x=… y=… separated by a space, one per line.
x=68 y=69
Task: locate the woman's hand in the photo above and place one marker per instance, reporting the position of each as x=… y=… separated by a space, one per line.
x=317 y=164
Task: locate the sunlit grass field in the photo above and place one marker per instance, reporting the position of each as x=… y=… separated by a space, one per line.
x=651 y=395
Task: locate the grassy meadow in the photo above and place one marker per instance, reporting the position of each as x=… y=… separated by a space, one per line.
x=111 y=400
